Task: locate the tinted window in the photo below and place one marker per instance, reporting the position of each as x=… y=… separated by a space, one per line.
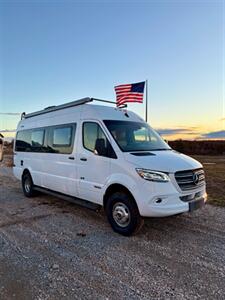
x=61 y=139
x=52 y=139
x=23 y=141
x=96 y=141
x=37 y=138
x=90 y=134
x=62 y=136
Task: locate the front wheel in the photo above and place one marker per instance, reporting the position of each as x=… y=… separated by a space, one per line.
x=27 y=185
x=123 y=214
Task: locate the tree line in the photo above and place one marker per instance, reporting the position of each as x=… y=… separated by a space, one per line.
x=205 y=147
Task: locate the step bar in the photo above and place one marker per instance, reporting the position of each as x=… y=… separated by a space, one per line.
x=78 y=201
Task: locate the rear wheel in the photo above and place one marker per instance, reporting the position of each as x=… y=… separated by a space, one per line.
x=27 y=185
x=123 y=214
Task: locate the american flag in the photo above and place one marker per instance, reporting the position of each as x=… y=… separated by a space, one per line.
x=129 y=93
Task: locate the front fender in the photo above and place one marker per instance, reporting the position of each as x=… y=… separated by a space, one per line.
x=133 y=185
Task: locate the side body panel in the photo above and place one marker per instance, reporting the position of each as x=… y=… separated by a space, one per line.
x=50 y=170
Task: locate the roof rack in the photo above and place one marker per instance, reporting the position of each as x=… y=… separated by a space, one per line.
x=62 y=106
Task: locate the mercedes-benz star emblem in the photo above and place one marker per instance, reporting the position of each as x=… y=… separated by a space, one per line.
x=195 y=178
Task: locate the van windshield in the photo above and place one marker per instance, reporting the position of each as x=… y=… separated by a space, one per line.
x=135 y=136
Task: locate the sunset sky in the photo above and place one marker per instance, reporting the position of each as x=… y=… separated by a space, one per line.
x=52 y=52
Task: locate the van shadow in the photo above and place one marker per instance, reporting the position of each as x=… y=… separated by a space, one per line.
x=65 y=207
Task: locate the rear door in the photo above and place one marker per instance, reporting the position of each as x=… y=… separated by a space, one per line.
x=94 y=163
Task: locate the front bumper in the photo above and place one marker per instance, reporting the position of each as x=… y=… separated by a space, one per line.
x=167 y=202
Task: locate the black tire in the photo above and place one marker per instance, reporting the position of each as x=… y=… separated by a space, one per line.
x=120 y=204
x=27 y=185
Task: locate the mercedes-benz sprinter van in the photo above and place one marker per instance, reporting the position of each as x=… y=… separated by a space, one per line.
x=108 y=157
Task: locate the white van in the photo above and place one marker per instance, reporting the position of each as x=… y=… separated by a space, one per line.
x=104 y=156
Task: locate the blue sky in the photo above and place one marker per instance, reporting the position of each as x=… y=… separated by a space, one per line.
x=57 y=51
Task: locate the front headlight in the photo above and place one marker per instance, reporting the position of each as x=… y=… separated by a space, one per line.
x=153 y=175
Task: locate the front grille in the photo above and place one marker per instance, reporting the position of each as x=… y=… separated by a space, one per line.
x=190 y=179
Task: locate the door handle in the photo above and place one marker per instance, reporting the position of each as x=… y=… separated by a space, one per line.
x=71 y=157
x=83 y=158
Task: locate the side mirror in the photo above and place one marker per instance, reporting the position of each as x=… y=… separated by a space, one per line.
x=100 y=148
x=1 y=150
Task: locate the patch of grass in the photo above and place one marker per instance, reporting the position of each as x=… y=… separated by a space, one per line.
x=214 y=167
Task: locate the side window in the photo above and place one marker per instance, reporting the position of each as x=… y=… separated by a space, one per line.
x=37 y=139
x=90 y=134
x=61 y=139
x=53 y=139
x=96 y=141
x=23 y=141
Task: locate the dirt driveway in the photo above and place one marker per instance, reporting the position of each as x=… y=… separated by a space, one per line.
x=50 y=249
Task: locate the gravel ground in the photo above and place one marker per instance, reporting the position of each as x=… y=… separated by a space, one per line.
x=51 y=249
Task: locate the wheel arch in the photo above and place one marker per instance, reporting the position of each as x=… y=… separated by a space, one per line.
x=26 y=171
x=116 y=187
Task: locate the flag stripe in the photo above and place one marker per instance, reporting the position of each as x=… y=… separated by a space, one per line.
x=131 y=94
x=123 y=90
x=139 y=99
x=130 y=98
x=122 y=86
x=128 y=95
x=129 y=101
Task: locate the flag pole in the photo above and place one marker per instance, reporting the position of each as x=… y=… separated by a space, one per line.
x=146 y=100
